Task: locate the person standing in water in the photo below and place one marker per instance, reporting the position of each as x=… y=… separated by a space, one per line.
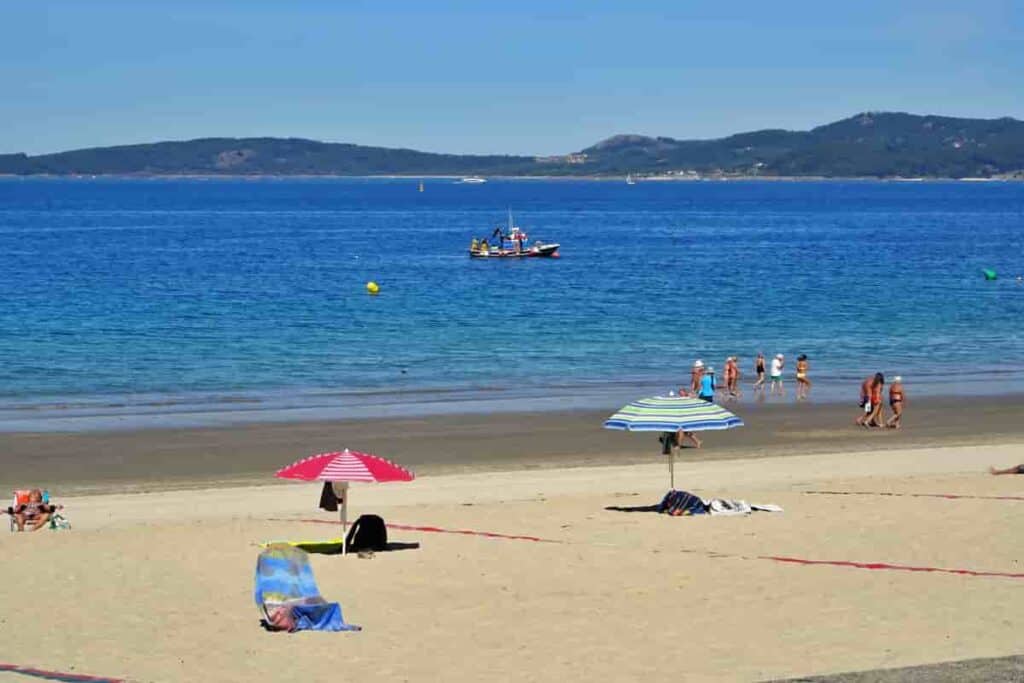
x=707 y=386
x=876 y=418
x=696 y=373
x=775 y=388
x=759 y=372
x=803 y=384
x=897 y=399
x=732 y=378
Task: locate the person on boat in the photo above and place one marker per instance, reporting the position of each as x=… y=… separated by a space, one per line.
x=474 y=245
x=500 y=236
x=897 y=397
x=484 y=247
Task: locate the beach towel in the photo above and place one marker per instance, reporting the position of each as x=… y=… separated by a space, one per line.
x=681 y=503
x=287 y=595
x=721 y=506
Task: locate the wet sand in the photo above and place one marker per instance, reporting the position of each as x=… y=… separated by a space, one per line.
x=187 y=458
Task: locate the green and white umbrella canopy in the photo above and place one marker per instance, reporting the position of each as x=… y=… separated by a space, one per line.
x=670 y=414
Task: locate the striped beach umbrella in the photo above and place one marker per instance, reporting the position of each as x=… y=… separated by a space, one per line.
x=671 y=414
x=343 y=467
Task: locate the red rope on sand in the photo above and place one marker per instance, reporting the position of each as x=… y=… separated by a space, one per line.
x=716 y=555
x=439 y=530
x=948 y=496
x=57 y=675
x=894 y=567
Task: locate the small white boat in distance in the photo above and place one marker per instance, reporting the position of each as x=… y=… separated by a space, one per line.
x=629 y=179
x=473 y=180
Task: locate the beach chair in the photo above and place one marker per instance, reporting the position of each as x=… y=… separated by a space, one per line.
x=20 y=498
x=57 y=520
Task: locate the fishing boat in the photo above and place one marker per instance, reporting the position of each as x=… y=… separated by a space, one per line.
x=520 y=247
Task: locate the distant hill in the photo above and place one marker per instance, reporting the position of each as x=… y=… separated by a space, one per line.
x=865 y=145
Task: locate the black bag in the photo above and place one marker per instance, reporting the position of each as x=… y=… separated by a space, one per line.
x=368 y=533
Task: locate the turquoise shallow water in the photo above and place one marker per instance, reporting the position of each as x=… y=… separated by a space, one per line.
x=244 y=297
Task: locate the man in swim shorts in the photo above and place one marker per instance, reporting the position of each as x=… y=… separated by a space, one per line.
x=775 y=386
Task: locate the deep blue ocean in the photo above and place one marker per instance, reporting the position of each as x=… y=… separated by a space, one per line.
x=207 y=299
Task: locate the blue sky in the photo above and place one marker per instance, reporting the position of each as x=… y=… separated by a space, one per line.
x=490 y=77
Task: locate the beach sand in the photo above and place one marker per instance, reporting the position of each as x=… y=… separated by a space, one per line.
x=156 y=585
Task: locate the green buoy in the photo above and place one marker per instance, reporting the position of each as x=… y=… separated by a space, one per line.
x=989 y=273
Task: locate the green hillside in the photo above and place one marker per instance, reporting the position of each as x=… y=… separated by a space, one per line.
x=865 y=145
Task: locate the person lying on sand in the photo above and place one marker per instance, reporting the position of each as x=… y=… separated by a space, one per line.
x=1018 y=469
x=34 y=514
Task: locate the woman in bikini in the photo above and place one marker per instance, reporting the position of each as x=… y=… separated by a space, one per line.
x=897 y=398
x=803 y=385
x=759 y=371
x=34 y=514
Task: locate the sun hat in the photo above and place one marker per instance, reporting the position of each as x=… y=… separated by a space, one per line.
x=698 y=363
x=711 y=371
x=779 y=355
x=897 y=378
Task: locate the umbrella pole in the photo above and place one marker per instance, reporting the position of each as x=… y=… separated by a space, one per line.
x=672 y=468
x=344 y=517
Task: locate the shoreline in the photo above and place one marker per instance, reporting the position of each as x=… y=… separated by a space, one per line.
x=602 y=178
x=160 y=459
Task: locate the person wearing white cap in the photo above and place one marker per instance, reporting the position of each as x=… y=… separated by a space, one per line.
x=775 y=386
x=696 y=374
x=897 y=398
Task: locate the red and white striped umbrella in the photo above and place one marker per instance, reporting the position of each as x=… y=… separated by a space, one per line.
x=345 y=466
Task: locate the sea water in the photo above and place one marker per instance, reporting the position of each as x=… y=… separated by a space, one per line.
x=129 y=302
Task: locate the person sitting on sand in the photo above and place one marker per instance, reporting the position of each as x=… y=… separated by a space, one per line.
x=34 y=514
x=897 y=399
x=803 y=384
x=1017 y=469
x=670 y=440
